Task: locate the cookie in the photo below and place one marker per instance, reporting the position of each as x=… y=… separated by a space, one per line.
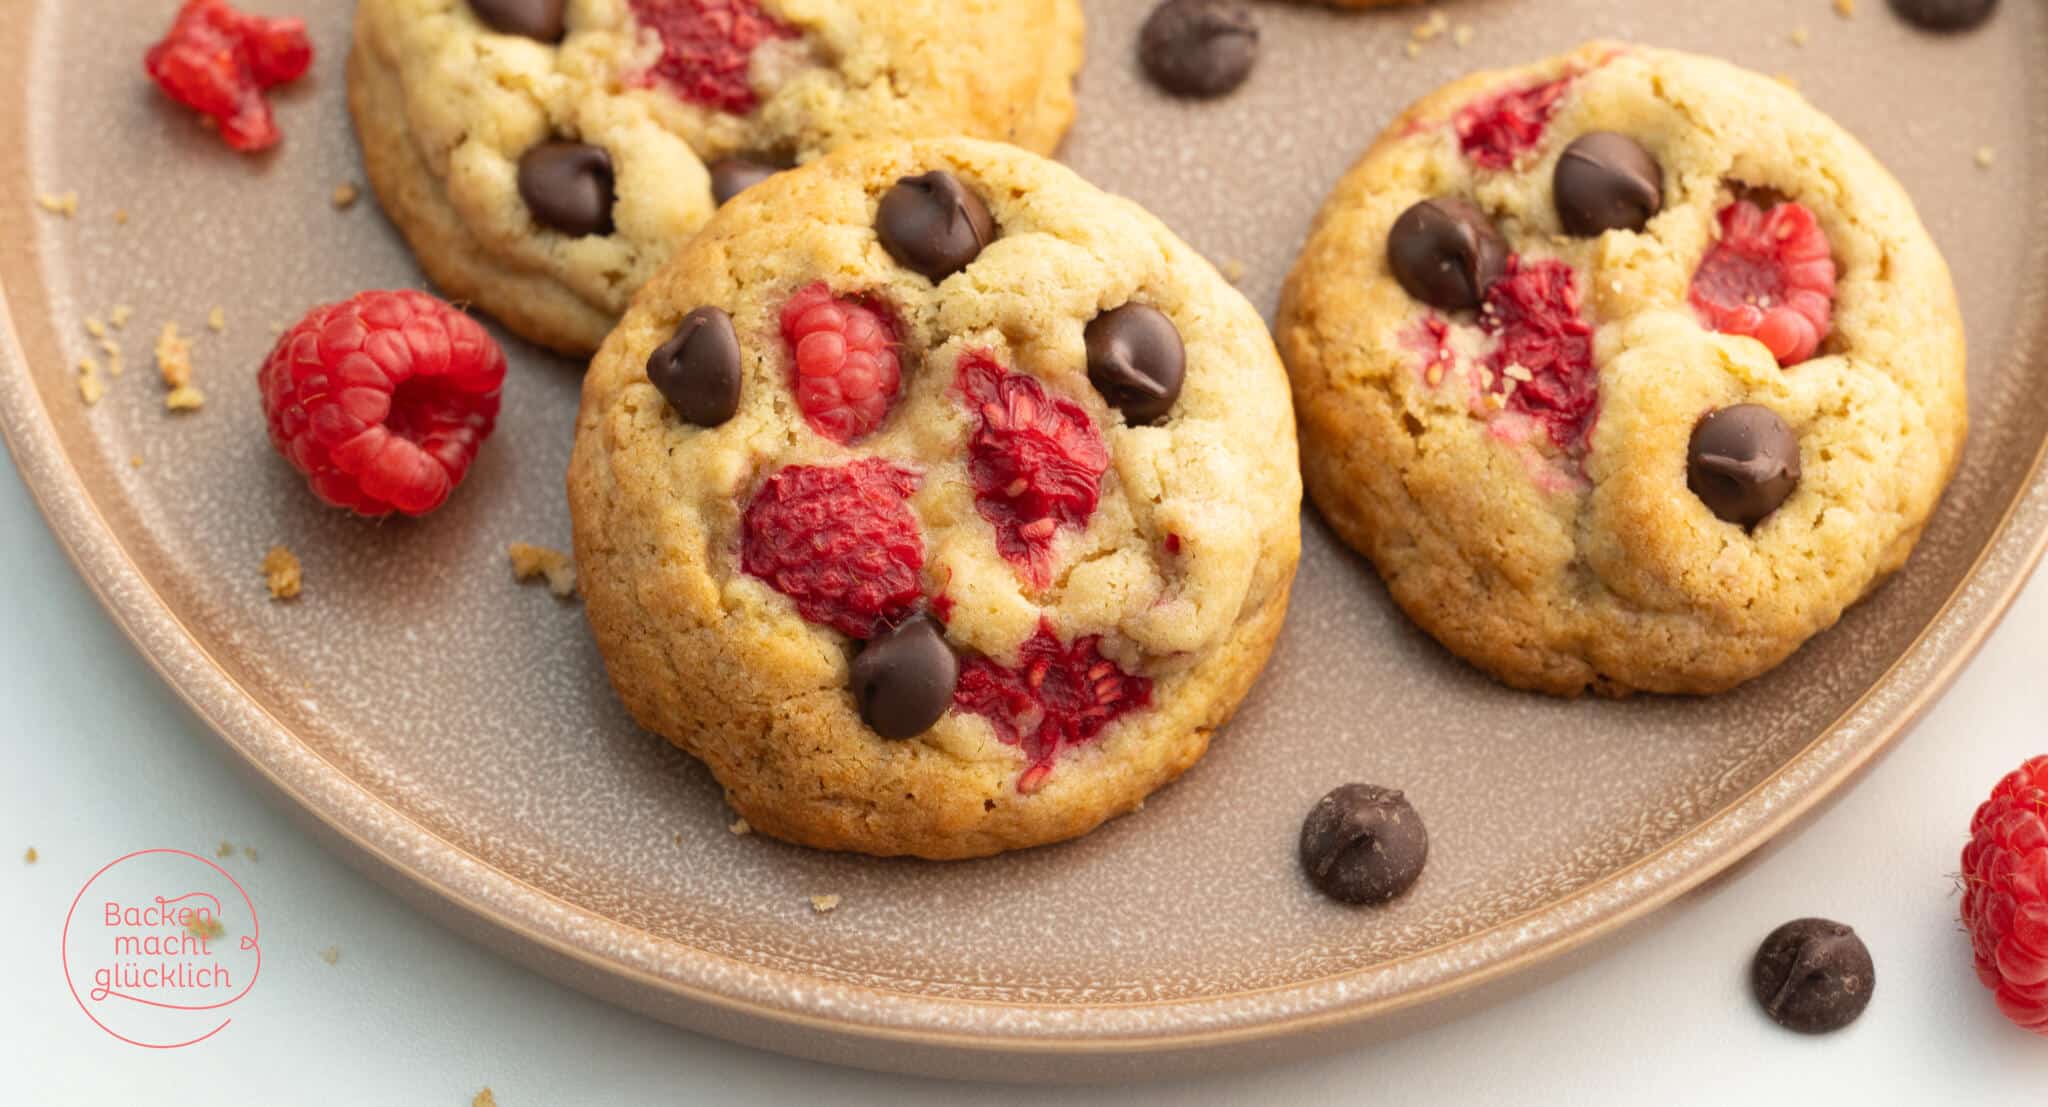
x=1629 y=370
x=939 y=502
x=545 y=157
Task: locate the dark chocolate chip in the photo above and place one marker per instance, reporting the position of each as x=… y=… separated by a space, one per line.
x=1813 y=976
x=1199 y=48
x=1742 y=463
x=933 y=224
x=1607 y=182
x=1362 y=844
x=698 y=370
x=568 y=186
x=732 y=176
x=1446 y=252
x=540 y=20
x=903 y=679
x=1137 y=361
x=1945 y=15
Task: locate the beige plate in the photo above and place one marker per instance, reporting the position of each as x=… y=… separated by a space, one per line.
x=455 y=732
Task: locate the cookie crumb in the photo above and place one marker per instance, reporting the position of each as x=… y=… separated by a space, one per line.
x=227 y=849
x=1845 y=8
x=249 y=852
x=824 y=905
x=1233 y=270
x=281 y=572
x=94 y=327
x=1800 y=36
x=345 y=196
x=1786 y=79
x=29 y=858
x=91 y=388
x=741 y=828
x=205 y=926
x=63 y=204
x=484 y=1099
x=1461 y=36
x=676 y=838
x=112 y=349
x=135 y=461
x=1430 y=28
x=331 y=955
x=174 y=362
x=1985 y=156
x=1413 y=48
x=119 y=314
x=185 y=399
x=121 y=217
x=217 y=320
x=529 y=562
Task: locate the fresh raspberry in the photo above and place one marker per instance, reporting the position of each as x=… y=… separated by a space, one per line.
x=841 y=541
x=383 y=400
x=1496 y=130
x=1057 y=696
x=218 y=61
x=1543 y=359
x=1771 y=278
x=843 y=362
x=1037 y=462
x=2005 y=894
x=707 y=46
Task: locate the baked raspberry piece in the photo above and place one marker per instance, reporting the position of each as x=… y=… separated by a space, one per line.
x=218 y=61
x=843 y=362
x=1036 y=461
x=1496 y=130
x=1057 y=696
x=1543 y=354
x=2005 y=894
x=841 y=541
x=1771 y=278
x=707 y=47
x=383 y=401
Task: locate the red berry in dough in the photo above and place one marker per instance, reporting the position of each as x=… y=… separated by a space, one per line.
x=707 y=47
x=1771 y=278
x=1057 y=696
x=1543 y=351
x=218 y=61
x=2005 y=894
x=843 y=362
x=1036 y=461
x=841 y=541
x=1495 y=131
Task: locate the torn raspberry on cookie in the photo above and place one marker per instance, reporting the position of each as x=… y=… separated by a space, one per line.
x=1771 y=277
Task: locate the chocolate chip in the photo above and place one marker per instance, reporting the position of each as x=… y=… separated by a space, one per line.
x=540 y=20
x=1446 y=252
x=1742 y=463
x=1199 y=48
x=698 y=370
x=903 y=679
x=732 y=176
x=1607 y=182
x=1362 y=844
x=1813 y=976
x=1137 y=361
x=568 y=186
x=1945 y=15
x=933 y=224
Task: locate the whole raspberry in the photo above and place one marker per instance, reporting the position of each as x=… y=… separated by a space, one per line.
x=218 y=61
x=707 y=47
x=840 y=540
x=1771 y=278
x=383 y=400
x=1494 y=131
x=1057 y=696
x=1036 y=461
x=2005 y=894
x=843 y=362
x=1543 y=356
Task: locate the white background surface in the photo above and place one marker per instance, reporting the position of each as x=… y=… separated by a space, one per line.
x=102 y=759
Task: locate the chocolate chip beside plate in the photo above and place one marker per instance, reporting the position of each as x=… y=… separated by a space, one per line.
x=1743 y=462
x=933 y=224
x=1137 y=361
x=698 y=370
x=1607 y=182
x=732 y=176
x=540 y=20
x=1446 y=252
x=568 y=186
x=1813 y=976
x=1363 y=844
x=1945 y=15
x=1198 y=48
x=903 y=679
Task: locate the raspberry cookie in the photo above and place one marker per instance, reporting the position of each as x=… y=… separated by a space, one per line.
x=940 y=502
x=1629 y=370
x=544 y=157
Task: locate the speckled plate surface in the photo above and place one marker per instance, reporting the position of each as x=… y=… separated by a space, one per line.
x=454 y=732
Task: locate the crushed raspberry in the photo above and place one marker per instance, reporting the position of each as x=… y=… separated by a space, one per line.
x=1543 y=357
x=2005 y=894
x=1771 y=278
x=1057 y=696
x=843 y=362
x=218 y=61
x=1496 y=130
x=706 y=47
x=1037 y=462
x=382 y=401
x=840 y=540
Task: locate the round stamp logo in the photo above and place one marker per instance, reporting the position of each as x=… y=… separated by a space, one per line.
x=158 y=945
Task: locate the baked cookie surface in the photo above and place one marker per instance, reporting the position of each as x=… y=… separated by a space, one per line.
x=936 y=440
x=544 y=157
x=1629 y=370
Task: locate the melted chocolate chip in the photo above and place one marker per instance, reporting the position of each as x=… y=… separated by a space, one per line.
x=1137 y=361
x=568 y=186
x=1743 y=462
x=1362 y=844
x=1813 y=976
x=903 y=679
x=1945 y=15
x=1198 y=48
x=732 y=176
x=540 y=20
x=1446 y=252
x=934 y=225
x=698 y=370
x=1607 y=182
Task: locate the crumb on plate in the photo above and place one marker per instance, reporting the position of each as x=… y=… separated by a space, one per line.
x=741 y=827
x=29 y=858
x=205 y=926
x=281 y=572
x=345 y=196
x=530 y=562
x=331 y=954
x=63 y=204
x=824 y=905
